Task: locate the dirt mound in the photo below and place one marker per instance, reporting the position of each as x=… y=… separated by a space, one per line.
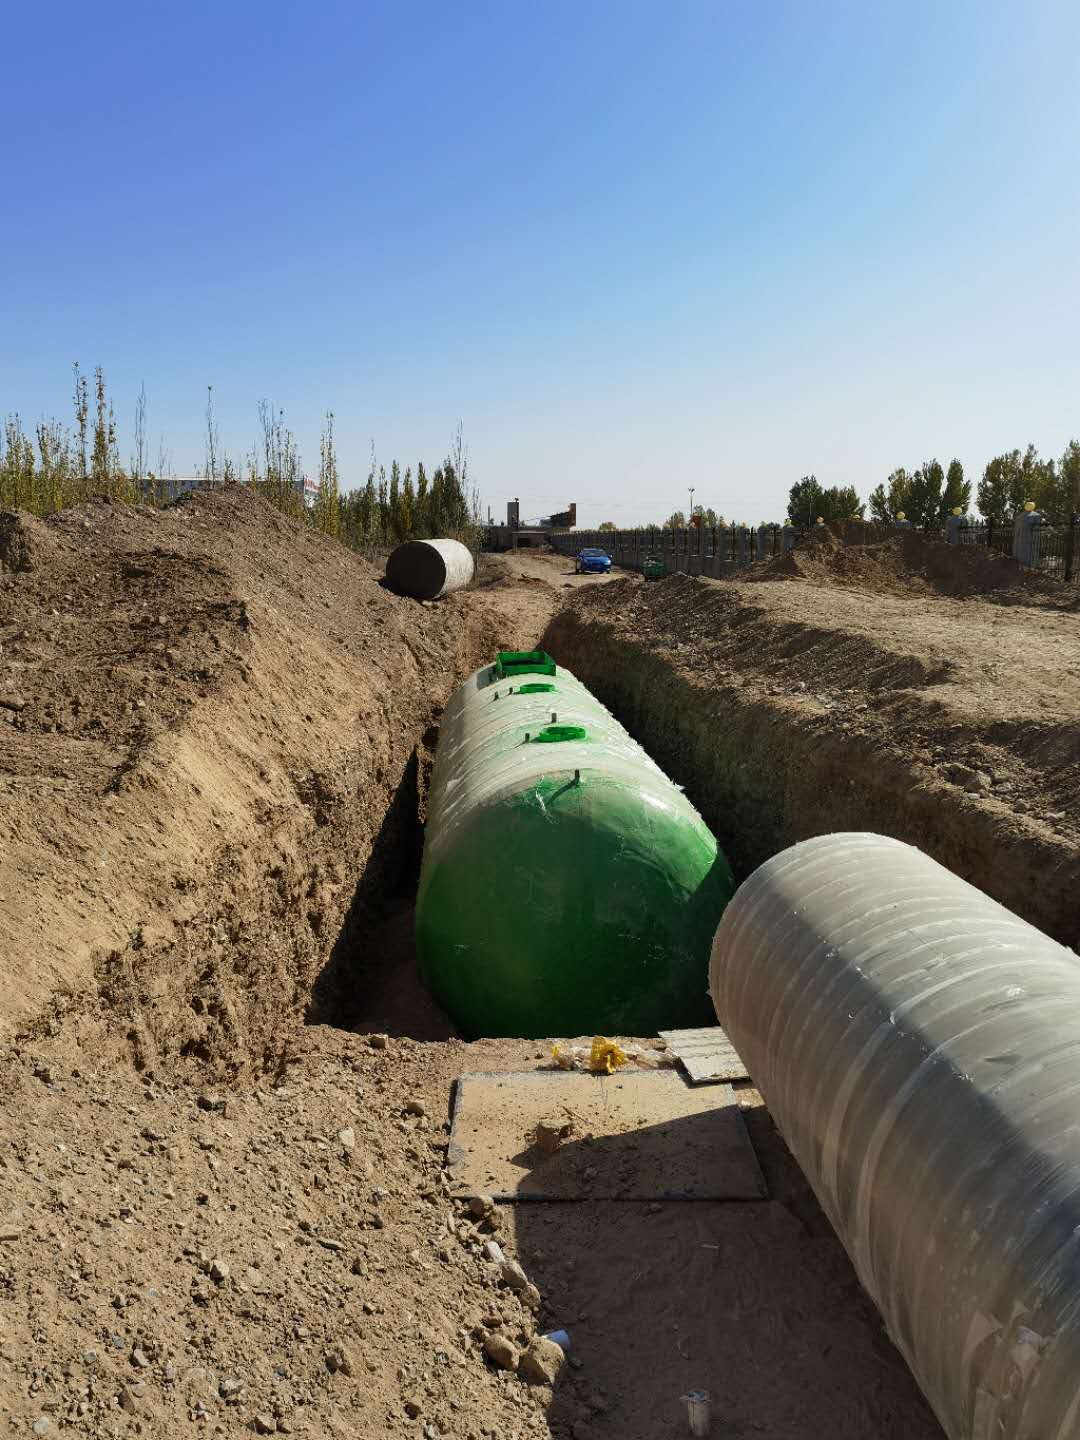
x=910 y=564
x=24 y=542
x=823 y=559
x=794 y=710
x=501 y=570
x=212 y=773
x=721 y=622
x=207 y=715
x=970 y=570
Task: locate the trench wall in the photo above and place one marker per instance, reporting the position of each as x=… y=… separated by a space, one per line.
x=763 y=778
x=211 y=773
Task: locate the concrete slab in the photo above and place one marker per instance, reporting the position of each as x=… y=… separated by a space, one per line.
x=707 y=1055
x=629 y=1136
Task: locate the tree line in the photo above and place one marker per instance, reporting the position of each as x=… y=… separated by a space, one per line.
x=57 y=465
x=389 y=509
x=929 y=494
x=703 y=515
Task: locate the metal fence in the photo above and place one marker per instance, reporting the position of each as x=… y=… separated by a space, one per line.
x=705 y=550
x=1049 y=549
x=717 y=551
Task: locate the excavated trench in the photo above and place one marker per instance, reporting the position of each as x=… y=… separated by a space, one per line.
x=766 y=769
x=311 y=923
x=762 y=777
x=302 y=915
x=370 y=981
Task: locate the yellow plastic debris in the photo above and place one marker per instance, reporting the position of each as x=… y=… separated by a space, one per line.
x=605 y=1057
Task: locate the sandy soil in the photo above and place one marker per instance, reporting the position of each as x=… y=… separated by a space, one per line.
x=282 y=1256
x=1008 y=653
x=843 y=697
x=554 y=570
x=212 y=721
x=223 y=1202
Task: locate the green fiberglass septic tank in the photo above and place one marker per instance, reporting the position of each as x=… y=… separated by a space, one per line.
x=568 y=887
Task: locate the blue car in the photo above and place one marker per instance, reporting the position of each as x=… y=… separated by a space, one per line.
x=592 y=562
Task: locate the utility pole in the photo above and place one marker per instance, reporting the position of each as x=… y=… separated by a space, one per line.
x=690 y=517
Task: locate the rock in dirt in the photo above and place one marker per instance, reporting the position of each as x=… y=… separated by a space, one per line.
x=552 y=1132
x=340 y=1359
x=513 y=1275
x=542 y=1362
x=25 y=544
x=502 y=1352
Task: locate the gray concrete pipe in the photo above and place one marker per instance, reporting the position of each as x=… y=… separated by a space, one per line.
x=427 y=569
x=918 y=1046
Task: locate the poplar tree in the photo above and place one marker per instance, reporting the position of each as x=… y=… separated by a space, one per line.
x=888 y=500
x=957 y=490
x=394 y=503
x=423 y=525
x=407 y=523
x=925 y=496
x=382 y=525
x=328 y=504
x=82 y=417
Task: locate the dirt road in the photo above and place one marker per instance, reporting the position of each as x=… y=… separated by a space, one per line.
x=556 y=571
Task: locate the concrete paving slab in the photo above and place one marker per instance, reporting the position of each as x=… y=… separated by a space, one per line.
x=629 y=1136
x=707 y=1055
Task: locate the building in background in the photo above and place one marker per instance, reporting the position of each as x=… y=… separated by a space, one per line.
x=534 y=534
x=171 y=488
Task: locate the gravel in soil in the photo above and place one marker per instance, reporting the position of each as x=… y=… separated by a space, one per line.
x=215 y=731
x=909 y=565
x=212 y=727
x=790 y=709
x=284 y=1256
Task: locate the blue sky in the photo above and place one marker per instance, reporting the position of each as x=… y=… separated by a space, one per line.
x=631 y=247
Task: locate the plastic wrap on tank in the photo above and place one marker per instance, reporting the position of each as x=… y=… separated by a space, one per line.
x=567 y=885
x=429 y=569
x=918 y=1046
